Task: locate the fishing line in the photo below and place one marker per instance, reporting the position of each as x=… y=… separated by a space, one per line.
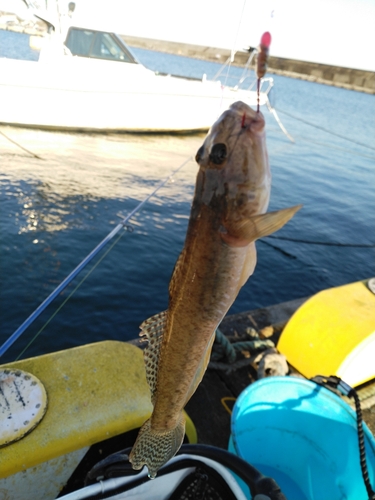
x=323 y=144
x=233 y=51
x=336 y=148
x=324 y=243
x=69 y=297
x=326 y=130
x=21 y=147
x=284 y=252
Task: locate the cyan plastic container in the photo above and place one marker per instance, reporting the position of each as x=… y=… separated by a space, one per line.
x=304 y=436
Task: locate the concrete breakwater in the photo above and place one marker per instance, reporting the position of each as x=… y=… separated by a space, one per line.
x=11 y=22
x=348 y=78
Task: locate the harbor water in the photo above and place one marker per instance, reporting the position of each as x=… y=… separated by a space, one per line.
x=56 y=208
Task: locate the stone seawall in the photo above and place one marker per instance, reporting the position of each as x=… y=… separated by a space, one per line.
x=353 y=79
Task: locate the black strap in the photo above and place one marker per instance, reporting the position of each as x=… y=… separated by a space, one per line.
x=335 y=383
x=117 y=465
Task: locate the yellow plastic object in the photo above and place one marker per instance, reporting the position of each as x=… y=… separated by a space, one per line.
x=333 y=333
x=190 y=430
x=94 y=391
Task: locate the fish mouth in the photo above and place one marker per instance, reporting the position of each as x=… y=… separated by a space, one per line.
x=241 y=107
x=239 y=124
x=248 y=118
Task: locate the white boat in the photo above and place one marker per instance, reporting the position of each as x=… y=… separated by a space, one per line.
x=87 y=79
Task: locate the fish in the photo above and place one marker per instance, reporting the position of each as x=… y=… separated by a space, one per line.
x=228 y=214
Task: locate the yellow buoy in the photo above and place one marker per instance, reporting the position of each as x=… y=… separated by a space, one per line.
x=333 y=333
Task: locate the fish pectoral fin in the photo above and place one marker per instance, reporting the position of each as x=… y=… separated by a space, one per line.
x=155 y=448
x=262 y=225
x=152 y=331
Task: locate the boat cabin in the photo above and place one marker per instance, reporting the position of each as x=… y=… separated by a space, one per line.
x=98 y=45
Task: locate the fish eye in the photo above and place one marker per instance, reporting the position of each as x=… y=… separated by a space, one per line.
x=199 y=154
x=218 y=153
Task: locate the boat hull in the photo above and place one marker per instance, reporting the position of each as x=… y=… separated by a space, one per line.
x=83 y=94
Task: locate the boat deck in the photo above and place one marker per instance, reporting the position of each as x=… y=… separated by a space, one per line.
x=219 y=388
x=210 y=407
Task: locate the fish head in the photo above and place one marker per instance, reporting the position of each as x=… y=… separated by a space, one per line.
x=234 y=171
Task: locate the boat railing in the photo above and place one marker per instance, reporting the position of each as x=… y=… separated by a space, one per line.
x=229 y=61
x=266 y=84
x=247 y=73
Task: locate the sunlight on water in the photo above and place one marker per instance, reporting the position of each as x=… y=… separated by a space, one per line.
x=77 y=169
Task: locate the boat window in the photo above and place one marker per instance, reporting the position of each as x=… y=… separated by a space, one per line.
x=79 y=42
x=97 y=44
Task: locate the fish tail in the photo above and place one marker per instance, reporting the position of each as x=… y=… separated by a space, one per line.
x=155 y=448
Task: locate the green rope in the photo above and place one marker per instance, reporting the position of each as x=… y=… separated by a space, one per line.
x=69 y=296
x=229 y=349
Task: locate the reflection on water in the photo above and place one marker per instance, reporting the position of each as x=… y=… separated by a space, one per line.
x=77 y=169
x=57 y=209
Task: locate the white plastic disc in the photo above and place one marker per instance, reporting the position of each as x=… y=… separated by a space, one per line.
x=23 y=403
x=371 y=284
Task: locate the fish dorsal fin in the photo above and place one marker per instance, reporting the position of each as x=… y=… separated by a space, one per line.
x=258 y=226
x=152 y=331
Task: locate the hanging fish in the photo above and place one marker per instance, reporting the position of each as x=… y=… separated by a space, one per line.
x=227 y=216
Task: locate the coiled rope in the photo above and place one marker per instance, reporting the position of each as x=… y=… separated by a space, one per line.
x=224 y=353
